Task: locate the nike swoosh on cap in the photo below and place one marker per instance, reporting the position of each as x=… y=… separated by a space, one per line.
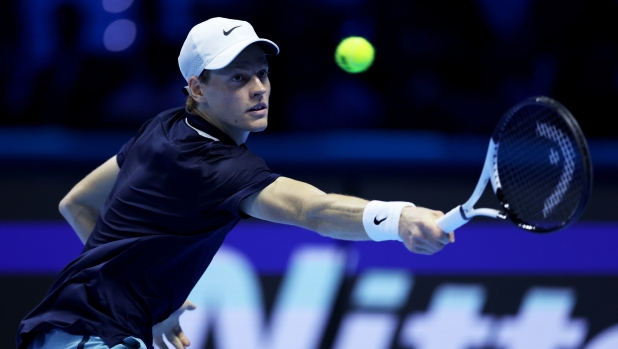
x=226 y=33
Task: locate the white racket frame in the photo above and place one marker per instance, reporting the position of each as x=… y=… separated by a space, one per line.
x=462 y=214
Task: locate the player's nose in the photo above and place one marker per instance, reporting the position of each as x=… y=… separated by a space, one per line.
x=258 y=88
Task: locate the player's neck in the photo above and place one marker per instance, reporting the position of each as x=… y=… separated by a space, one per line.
x=238 y=136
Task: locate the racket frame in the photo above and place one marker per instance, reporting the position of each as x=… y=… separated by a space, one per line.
x=461 y=214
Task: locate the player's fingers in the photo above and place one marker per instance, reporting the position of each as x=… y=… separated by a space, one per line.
x=437 y=214
x=419 y=244
x=434 y=245
x=428 y=244
x=188 y=305
x=430 y=231
x=174 y=340
x=160 y=343
x=183 y=338
x=433 y=236
x=422 y=250
x=444 y=238
x=413 y=245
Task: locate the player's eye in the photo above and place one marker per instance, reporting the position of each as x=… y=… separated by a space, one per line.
x=262 y=74
x=237 y=78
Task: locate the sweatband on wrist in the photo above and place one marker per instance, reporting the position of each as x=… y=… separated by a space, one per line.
x=381 y=219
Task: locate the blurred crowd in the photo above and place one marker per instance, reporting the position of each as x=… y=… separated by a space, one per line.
x=451 y=66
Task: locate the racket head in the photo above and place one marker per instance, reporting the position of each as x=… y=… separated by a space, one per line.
x=542 y=173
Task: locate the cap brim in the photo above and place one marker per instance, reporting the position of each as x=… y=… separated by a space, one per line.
x=228 y=55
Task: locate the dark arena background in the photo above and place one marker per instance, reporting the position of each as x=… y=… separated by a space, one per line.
x=79 y=77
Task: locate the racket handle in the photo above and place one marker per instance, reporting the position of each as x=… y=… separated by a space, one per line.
x=452 y=220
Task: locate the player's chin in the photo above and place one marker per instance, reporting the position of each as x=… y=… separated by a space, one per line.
x=259 y=125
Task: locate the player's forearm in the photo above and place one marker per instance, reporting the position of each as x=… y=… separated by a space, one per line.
x=337 y=216
x=81 y=218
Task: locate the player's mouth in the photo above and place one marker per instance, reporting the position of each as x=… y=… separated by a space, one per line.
x=258 y=109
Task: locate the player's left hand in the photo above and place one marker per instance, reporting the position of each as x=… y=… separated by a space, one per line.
x=170 y=327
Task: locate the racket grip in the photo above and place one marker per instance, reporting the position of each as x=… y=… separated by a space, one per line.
x=452 y=220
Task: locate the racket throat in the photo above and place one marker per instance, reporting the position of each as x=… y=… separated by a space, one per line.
x=485 y=212
x=459 y=216
x=463 y=213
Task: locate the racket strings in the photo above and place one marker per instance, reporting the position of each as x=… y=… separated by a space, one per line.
x=566 y=146
x=539 y=168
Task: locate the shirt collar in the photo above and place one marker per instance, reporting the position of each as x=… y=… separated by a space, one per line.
x=205 y=128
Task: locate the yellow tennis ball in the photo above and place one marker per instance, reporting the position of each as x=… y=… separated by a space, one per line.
x=354 y=54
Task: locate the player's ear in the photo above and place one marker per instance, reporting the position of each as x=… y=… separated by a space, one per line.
x=195 y=90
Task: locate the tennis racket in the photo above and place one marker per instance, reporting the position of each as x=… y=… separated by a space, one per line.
x=539 y=167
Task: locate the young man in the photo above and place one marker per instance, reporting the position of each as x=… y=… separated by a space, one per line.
x=153 y=216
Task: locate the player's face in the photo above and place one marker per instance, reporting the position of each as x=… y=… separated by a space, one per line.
x=237 y=95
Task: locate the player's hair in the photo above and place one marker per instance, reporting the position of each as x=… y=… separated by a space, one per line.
x=191 y=104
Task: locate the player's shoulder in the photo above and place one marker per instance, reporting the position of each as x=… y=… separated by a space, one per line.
x=170 y=116
x=160 y=119
x=201 y=142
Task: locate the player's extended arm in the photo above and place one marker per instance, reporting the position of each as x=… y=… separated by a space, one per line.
x=81 y=206
x=296 y=203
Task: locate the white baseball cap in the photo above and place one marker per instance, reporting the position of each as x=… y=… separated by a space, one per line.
x=214 y=43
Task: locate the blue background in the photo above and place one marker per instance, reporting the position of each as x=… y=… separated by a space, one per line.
x=483 y=249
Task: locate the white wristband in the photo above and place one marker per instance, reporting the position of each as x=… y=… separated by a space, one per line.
x=381 y=219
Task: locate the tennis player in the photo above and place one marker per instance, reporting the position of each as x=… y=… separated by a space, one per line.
x=153 y=216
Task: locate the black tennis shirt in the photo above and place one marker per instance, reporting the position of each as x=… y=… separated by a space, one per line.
x=176 y=197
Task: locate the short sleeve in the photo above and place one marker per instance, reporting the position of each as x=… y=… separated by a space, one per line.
x=122 y=153
x=258 y=183
x=230 y=180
